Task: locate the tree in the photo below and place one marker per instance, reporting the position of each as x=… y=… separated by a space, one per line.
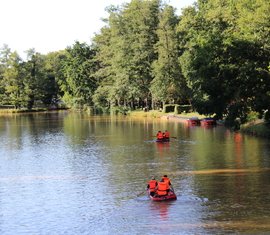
x=226 y=71
x=168 y=83
x=128 y=40
x=78 y=69
x=12 y=82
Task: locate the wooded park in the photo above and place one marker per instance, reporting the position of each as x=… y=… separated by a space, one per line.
x=214 y=56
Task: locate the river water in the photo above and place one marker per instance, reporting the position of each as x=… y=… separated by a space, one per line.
x=69 y=173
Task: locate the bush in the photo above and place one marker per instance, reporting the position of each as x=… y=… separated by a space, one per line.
x=119 y=110
x=168 y=108
x=185 y=108
x=176 y=108
x=252 y=116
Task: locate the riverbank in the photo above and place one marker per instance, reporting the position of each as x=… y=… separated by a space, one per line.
x=35 y=110
x=256 y=128
x=166 y=116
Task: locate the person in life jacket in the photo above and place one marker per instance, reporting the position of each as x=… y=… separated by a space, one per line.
x=166 y=134
x=166 y=179
x=162 y=188
x=159 y=135
x=152 y=184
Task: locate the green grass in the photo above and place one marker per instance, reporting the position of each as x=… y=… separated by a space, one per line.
x=189 y=115
x=158 y=114
x=258 y=128
x=151 y=113
x=10 y=111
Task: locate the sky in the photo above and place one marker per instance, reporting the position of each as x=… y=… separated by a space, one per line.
x=52 y=25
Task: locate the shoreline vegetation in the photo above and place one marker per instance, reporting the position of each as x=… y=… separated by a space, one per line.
x=34 y=110
x=146 y=57
x=258 y=127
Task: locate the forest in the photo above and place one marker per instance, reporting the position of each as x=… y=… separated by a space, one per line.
x=214 y=56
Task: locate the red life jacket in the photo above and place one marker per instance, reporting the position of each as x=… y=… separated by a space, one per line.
x=167 y=180
x=159 y=135
x=162 y=188
x=167 y=134
x=152 y=185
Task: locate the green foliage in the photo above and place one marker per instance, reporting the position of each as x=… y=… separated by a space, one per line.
x=184 y=108
x=78 y=69
x=176 y=108
x=215 y=55
x=226 y=71
x=168 y=83
x=125 y=49
x=252 y=116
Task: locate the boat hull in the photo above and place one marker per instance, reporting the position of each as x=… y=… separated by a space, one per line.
x=163 y=140
x=193 y=122
x=170 y=196
x=208 y=122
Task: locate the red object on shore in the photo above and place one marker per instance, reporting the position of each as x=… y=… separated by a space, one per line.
x=194 y=121
x=208 y=122
x=170 y=196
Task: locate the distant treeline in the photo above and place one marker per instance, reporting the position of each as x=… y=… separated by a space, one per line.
x=214 y=57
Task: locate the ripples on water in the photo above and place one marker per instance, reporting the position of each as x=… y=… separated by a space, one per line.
x=71 y=174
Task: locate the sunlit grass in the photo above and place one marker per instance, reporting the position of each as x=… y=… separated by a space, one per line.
x=257 y=128
x=10 y=111
x=151 y=113
x=158 y=114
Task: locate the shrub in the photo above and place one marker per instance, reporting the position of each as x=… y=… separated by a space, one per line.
x=168 y=108
x=252 y=116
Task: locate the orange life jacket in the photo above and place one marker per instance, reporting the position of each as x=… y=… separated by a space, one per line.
x=152 y=185
x=167 y=180
x=162 y=188
x=159 y=135
x=167 y=134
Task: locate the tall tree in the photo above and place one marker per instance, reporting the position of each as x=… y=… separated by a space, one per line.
x=168 y=83
x=78 y=69
x=226 y=71
x=131 y=35
x=12 y=82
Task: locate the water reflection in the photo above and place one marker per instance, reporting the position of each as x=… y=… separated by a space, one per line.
x=69 y=173
x=161 y=209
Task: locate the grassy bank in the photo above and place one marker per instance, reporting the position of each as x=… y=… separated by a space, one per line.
x=14 y=111
x=257 y=128
x=158 y=114
x=20 y=110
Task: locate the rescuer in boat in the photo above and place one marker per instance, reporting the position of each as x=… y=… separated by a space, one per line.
x=152 y=184
x=159 y=135
x=166 y=135
x=162 y=188
x=166 y=179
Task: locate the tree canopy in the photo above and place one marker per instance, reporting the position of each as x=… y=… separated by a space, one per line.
x=214 y=56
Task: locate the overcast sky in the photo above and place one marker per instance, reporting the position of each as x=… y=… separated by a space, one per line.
x=52 y=25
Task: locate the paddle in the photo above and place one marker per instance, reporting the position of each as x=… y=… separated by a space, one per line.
x=140 y=194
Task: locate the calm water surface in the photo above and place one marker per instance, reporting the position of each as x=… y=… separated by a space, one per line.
x=68 y=173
